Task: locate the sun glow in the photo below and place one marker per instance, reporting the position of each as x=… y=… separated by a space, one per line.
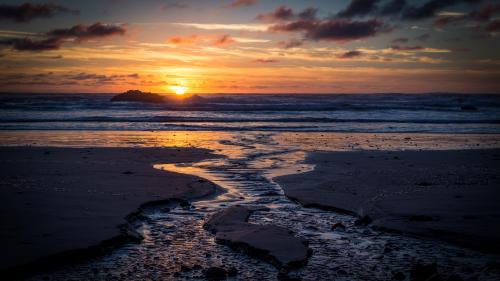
x=178 y=90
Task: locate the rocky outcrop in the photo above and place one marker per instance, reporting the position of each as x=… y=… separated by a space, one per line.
x=138 y=96
x=271 y=243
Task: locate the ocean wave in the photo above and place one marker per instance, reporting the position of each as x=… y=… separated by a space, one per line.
x=166 y=119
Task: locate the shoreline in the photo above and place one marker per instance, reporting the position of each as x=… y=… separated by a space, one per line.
x=191 y=188
x=403 y=191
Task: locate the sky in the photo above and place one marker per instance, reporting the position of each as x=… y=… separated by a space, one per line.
x=250 y=46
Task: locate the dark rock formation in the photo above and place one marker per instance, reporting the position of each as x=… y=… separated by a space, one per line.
x=138 y=96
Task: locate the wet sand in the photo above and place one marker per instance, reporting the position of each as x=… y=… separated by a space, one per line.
x=59 y=199
x=450 y=195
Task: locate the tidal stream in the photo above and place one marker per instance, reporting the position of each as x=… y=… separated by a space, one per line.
x=176 y=247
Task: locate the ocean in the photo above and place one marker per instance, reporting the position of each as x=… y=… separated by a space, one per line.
x=370 y=113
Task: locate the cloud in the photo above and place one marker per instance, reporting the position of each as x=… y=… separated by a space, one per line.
x=393 y=7
x=485 y=12
x=27 y=44
x=292 y=43
x=216 y=40
x=55 y=38
x=350 y=54
x=493 y=26
x=430 y=8
x=340 y=30
x=423 y=37
x=442 y=20
x=406 y=48
x=187 y=40
x=401 y=40
x=358 y=8
x=241 y=3
x=83 y=33
x=265 y=61
x=83 y=78
x=174 y=5
x=308 y=13
x=224 y=40
x=223 y=26
x=27 y=11
x=281 y=13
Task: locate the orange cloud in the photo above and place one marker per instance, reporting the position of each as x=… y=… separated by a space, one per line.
x=179 y=40
x=224 y=40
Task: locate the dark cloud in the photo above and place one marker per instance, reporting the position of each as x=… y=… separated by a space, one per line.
x=50 y=78
x=292 y=43
x=406 y=48
x=350 y=54
x=57 y=37
x=485 y=12
x=281 y=13
x=100 y=78
x=358 y=8
x=447 y=19
x=308 y=13
x=241 y=3
x=333 y=29
x=265 y=61
x=174 y=5
x=401 y=40
x=493 y=26
x=393 y=7
x=430 y=8
x=27 y=11
x=423 y=37
x=27 y=44
x=82 y=32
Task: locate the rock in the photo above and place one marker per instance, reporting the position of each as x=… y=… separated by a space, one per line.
x=215 y=273
x=422 y=272
x=138 y=96
x=424 y=183
x=271 y=243
x=338 y=226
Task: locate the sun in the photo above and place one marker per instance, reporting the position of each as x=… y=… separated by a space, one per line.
x=178 y=90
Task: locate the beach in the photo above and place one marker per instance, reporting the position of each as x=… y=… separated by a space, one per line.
x=55 y=200
x=451 y=195
x=254 y=205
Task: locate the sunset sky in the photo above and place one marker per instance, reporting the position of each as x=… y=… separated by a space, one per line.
x=250 y=46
